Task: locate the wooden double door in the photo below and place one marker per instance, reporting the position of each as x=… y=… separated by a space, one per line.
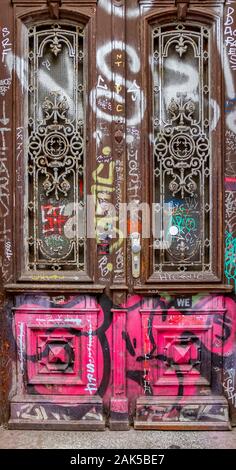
x=116 y=193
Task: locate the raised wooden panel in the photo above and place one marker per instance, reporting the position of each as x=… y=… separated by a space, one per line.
x=182 y=357
x=57 y=351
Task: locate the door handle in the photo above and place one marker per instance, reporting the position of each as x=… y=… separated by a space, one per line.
x=136 y=249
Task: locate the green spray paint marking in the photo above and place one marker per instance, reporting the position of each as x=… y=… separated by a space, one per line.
x=230 y=258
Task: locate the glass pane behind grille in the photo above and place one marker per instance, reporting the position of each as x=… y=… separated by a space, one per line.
x=182 y=162
x=55 y=232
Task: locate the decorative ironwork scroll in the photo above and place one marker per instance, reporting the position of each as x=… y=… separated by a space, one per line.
x=182 y=151
x=55 y=149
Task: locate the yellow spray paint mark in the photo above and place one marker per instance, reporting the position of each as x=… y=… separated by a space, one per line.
x=106 y=151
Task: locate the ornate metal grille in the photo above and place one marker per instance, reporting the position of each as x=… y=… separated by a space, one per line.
x=182 y=152
x=55 y=149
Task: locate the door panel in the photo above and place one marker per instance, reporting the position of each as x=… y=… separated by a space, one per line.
x=182 y=356
x=64 y=354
